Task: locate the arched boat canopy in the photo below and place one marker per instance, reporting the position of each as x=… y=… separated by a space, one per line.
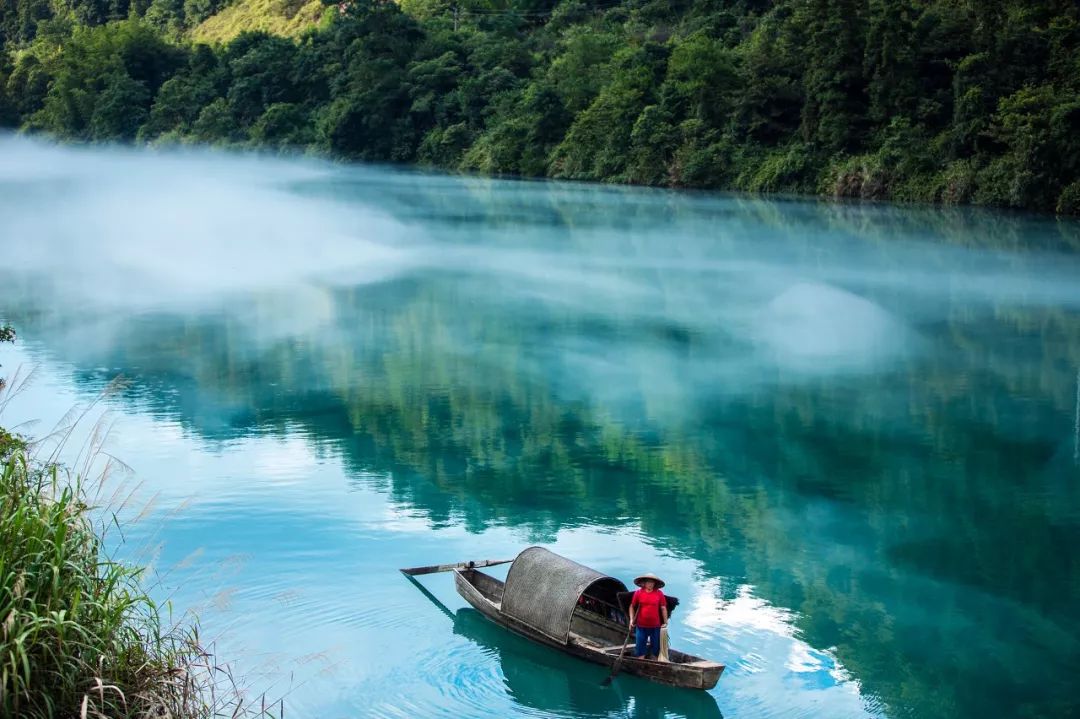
x=542 y=591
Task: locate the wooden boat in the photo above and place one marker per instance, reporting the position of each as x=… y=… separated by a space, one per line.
x=568 y=606
x=547 y=682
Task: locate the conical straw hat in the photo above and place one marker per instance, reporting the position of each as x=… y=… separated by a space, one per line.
x=640 y=581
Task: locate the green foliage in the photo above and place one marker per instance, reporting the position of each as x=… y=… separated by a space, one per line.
x=899 y=168
x=834 y=112
x=9 y=116
x=702 y=80
x=166 y=15
x=1039 y=128
x=216 y=124
x=75 y=620
x=597 y=145
x=444 y=147
x=862 y=176
x=768 y=110
x=504 y=149
x=27 y=86
x=103 y=81
x=7 y=334
x=19 y=20
x=196 y=11
x=261 y=72
x=178 y=105
x=787 y=168
x=97 y=12
x=956 y=183
x=120 y=109
x=9 y=443
x=892 y=99
x=581 y=69
x=1069 y=202
x=283 y=125
x=221 y=21
x=652 y=141
x=704 y=158
x=890 y=60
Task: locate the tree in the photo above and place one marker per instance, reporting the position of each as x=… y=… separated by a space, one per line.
x=119 y=109
x=167 y=16
x=1040 y=129
x=889 y=65
x=833 y=116
x=262 y=75
x=901 y=99
x=178 y=104
x=769 y=107
x=216 y=124
x=597 y=144
x=19 y=20
x=582 y=67
x=27 y=86
x=653 y=140
x=104 y=65
x=701 y=81
x=283 y=125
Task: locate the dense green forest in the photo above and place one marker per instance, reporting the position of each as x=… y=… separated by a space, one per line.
x=951 y=101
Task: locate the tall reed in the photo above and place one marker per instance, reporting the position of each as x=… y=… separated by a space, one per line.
x=79 y=637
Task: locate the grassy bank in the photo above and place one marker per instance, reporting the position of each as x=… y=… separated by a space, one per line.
x=79 y=635
x=275 y=17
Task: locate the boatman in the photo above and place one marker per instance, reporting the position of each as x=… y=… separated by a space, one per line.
x=648 y=613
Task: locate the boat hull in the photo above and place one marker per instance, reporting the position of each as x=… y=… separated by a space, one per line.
x=688 y=672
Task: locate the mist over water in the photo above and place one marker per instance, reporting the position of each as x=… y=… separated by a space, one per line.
x=844 y=434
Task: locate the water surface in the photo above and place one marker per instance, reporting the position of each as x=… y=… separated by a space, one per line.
x=848 y=436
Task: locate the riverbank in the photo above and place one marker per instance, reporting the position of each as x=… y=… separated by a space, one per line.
x=80 y=636
x=942 y=103
x=79 y=633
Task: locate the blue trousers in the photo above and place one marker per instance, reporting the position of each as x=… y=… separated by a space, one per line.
x=646 y=637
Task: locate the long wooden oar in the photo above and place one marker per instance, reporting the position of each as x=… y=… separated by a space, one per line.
x=618 y=662
x=414 y=571
x=434 y=600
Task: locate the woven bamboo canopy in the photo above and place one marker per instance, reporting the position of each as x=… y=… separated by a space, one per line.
x=543 y=588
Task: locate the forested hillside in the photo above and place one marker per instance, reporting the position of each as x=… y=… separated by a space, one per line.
x=948 y=101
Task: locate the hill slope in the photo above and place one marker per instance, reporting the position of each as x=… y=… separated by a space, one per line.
x=929 y=101
x=271 y=16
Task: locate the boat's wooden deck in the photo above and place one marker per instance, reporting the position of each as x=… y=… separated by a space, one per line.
x=677 y=657
x=593 y=644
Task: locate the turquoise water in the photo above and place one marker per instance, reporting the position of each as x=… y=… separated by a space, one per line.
x=847 y=436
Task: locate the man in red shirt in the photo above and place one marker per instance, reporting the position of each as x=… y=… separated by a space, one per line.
x=648 y=613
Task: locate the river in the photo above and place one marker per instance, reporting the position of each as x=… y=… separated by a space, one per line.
x=846 y=435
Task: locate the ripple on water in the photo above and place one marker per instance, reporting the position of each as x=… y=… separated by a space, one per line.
x=465 y=682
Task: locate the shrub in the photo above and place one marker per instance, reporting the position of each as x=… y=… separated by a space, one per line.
x=78 y=635
x=862 y=176
x=444 y=146
x=957 y=183
x=1069 y=201
x=786 y=169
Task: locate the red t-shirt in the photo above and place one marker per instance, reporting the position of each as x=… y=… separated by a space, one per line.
x=648 y=604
